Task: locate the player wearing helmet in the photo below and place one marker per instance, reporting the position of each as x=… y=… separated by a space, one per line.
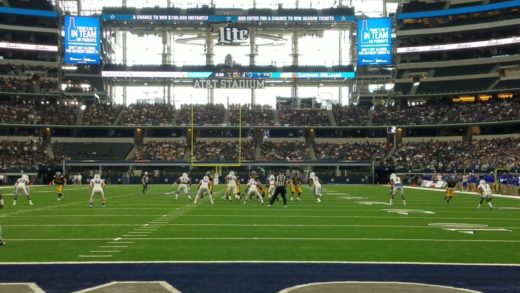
x=450 y=188
x=184 y=184
x=204 y=186
x=144 y=180
x=97 y=186
x=396 y=186
x=485 y=193
x=22 y=185
x=231 y=189
x=59 y=181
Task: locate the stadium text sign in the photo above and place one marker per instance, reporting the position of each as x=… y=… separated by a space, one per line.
x=229 y=83
x=232 y=35
x=374 y=41
x=82 y=40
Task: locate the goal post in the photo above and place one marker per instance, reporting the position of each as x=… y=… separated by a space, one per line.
x=195 y=163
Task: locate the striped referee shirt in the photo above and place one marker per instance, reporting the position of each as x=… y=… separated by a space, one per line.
x=280 y=180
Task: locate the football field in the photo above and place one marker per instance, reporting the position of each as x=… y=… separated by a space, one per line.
x=353 y=224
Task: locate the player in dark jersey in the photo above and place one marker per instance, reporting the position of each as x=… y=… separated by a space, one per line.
x=59 y=181
x=450 y=190
x=296 y=186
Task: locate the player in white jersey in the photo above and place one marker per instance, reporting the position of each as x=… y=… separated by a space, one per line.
x=204 y=187
x=314 y=181
x=396 y=186
x=272 y=185
x=184 y=184
x=231 y=189
x=252 y=189
x=22 y=185
x=97 y=186
x=485 y=193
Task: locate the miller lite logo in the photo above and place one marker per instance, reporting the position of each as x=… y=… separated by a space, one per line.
x=232 y=35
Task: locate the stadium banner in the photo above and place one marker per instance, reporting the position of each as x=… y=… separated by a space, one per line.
x=227 y=18
x=229 y=75
x=82 y=40
x=229 y=83
x=29 y=47
x=232 y=35
x=374 y=41
x=459 y=46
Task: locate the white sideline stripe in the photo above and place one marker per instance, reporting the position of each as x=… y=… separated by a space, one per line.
x=266 y=262
x=95 y=255
x=287 y=239
x=33 y=286
x=165 y=285
x=463 y=192
x=122 y=242
x=139 y=232
x=113 y=246
x=104 y=251
x=288 y=290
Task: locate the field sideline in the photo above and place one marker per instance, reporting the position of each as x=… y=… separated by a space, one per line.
x=352 y=224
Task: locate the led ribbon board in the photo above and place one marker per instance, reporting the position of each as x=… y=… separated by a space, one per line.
x=374 y=41
x=82 y=40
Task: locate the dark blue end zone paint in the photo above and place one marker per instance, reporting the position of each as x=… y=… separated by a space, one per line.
x=259 y=277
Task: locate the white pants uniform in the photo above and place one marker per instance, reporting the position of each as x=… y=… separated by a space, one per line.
x=271 y=190
x=397 y=188
x=22 y=188
x=253 y=191
x=99 y=191
x=317 y=189
x=182 y=188
x=203 y=190
x=231 y=189
x=486 y=194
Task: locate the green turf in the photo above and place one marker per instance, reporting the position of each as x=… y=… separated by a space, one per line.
x=338 y=229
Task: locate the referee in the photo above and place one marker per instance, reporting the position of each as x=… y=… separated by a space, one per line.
x=281 y=183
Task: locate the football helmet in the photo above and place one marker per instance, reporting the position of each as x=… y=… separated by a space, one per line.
x=96 y=176
x=58 y=173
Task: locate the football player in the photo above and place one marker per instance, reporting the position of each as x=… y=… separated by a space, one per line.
x=59 y=181
x=97 y=186
x=272 y=186
x=485 y=193
x=204 y=187
x=231 y=189
x=296 y=186
x=465 y=179
x=396 y=186
x=252 y=189
x=2 y=179
x=22 y=185
x=314 y=181
x=450 y=189
x=145 y=181
x=184 y=183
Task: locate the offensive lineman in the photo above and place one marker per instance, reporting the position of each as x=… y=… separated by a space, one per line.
x=59 y=181
x=204 y=187
x=396 y=186
x=485 y=193
x=97 y=186
x=231 y=189
x=184 y=183
x=314 y=181
x=22 y=184
x=252 y=189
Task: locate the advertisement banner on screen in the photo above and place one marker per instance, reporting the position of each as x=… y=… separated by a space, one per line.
x=374 y=41
x=82 y=40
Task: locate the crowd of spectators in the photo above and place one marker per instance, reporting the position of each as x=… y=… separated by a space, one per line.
x=445 y=113
x=101 y=114
x=299 y=117
x=252 y=115
x=350 y=115
x=31 y=112
x=28 y=85
x=286 y=151
x=202 y=114
x=452 y=156
x=161 y=151
x=28 y=71
x=216 y=151
x=366 y=151
x=148 y=114
x=22 y=154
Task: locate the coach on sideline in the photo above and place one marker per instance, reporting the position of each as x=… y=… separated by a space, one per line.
x=281 y=183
